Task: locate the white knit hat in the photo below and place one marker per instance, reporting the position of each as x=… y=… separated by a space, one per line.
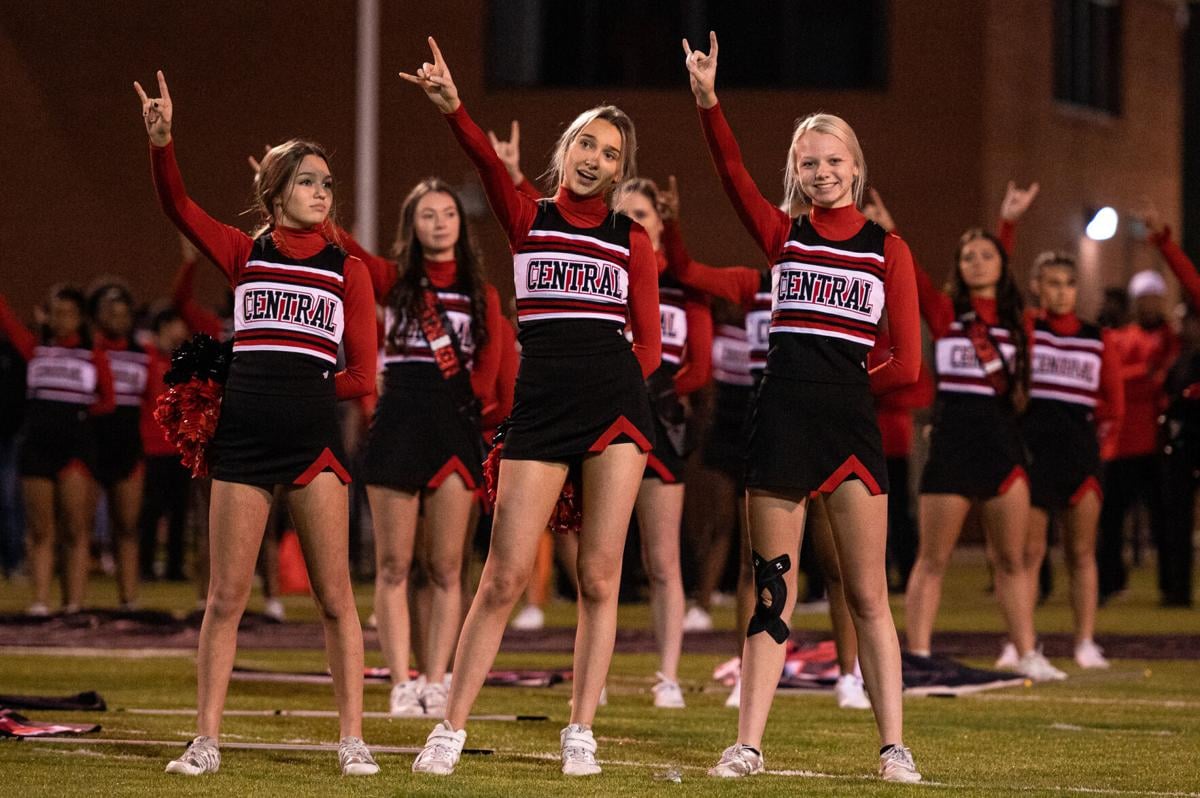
x=1147 y=283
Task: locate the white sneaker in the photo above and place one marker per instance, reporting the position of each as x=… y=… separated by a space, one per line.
x=355 y=759
x=1089 y=655
x=667 y=694
x=274 y=610
x=529 y=618
x=897 y=765
x=202 y=756
x=1035 y=665
x=737 y=761
x=38 y=609
x=851 y=693
x=1007 y=661
x=735 y=695
x=433 y=699
x=442 y=749
x=578 y=751
x=696 y=619
x=405 y=700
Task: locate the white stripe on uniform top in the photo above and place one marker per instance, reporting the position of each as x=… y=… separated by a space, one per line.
x=291 y=267
x=1061 y=396
x=841 y=253
x=576 y=237
x=1063 y=340
x=616 y=316
x=831 y=333
x=295 y=350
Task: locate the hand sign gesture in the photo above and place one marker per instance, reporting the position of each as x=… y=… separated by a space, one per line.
x=1147 y=213
x=509 y=151
x=436 y=81
x=1017 y=201
x=256 y=164
x=668 y=200
x=156 y=112
x=702 y=70
x=877 y=212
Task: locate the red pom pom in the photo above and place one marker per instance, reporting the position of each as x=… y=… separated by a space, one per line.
x=188 y=413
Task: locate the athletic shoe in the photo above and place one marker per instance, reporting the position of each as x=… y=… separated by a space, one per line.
x=529 y=618
x=896 y=764
x=202 y=756
x=1007 y=661
x=850 y=692
x=735 y=695
x=667 y=694
x=274 y=610
x=578 y=751
x=372 y=622
x=433 y=699
x=696 y=619
x=405 y=700
x=1035 y=666
x=442 y=749
x=736 y=761
x=355 y=759
x=728 y=671
x=1089 y=655
x=38 y=609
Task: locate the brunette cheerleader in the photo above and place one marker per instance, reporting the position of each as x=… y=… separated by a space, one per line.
x=581 y=271
x=298 y=296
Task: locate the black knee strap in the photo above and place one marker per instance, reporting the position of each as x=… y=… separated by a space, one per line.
x=771 y=595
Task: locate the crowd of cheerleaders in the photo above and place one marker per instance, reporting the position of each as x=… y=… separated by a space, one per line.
x=816 y=366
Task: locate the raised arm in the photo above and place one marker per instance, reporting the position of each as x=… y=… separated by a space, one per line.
x=514 y=210
x=643 y=302
x=766 y=223
x=22 y=339
x=358 y=336
x=1158 y=233
x=697 y=359
x=183 y=294
x=904 y=327
x=1016 y=201
x=737 y=284
x=936 y=308
x=382 y=270
x=225 y=246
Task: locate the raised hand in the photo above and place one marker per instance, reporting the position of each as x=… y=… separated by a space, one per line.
x=1147 y=213
x=668 y=200
x=188 y=250
x=156 y=112
x=702 y=71
x=877 y=212
x=255 y=164
x=509 y=151
x=436 y=81
x=1017 y=201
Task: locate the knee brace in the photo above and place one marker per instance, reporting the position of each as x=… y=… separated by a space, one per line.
x=771 y=595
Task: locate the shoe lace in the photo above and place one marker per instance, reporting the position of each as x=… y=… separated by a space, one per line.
x=201 y=753
x=900 y=756
x=354 y=750
x=440 y=748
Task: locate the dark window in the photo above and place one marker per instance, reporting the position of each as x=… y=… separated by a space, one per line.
x=1087 y=53
x=770 y=43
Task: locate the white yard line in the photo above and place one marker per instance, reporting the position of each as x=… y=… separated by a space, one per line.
x=1164 y=703
x=118 y=653
x=375 y=749
x=311 y=713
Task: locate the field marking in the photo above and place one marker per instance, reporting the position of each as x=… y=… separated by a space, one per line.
x=116 y=653
x=1164 y=703
x=312 y=713
x=375 y=749
x=1076 y=728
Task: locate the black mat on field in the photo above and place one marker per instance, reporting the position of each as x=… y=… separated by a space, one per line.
x=91 y=701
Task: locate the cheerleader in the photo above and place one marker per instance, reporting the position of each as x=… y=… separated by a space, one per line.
x=442 y=322
x=298 y=297
x=120 y=458
x=581 y=271
x=814 y=428
x=68 y=382
x=1076 y=400
x=976 y=453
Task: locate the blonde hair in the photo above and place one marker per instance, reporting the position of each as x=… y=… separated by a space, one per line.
x=834 y=126
x=553 y=175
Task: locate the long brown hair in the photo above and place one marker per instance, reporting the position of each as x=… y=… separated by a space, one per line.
x=274 y=180
x=406 y=298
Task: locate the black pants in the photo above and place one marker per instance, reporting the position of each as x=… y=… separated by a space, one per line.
x=1181 y=478
x=902 y=529
x=166 y=493
x=1127 y=480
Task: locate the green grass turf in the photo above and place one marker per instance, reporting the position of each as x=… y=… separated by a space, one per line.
x=1132 y=730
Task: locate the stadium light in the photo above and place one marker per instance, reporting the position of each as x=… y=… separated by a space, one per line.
x=1103 y=224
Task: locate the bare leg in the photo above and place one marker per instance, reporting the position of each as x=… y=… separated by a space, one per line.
x=447 y=516
x=1006 y=521
x=42 y=533
x=395 y=516
x=859 y=522
x=124 y=503
x=1035 y=549
x=660 y=513
x=844 y=638
x=942 y=516
x=237 y=516
x=525 y=497
x=77 y=497
x=322 y=514
x=200 y=499
x=1082 y=522
x=745 y=583
x=712 y=536
x=776 y=528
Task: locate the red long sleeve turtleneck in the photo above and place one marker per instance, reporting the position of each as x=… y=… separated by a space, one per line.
x=516 y=212
x=183 y=299
x=770 y=226
x=1111 y=408
x=1181 y=265
x=229 y=248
